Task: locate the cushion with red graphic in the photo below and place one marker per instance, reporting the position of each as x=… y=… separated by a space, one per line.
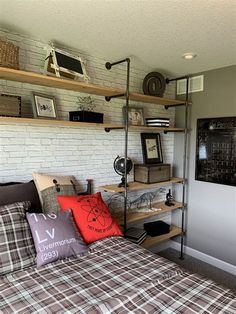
x=92 y=216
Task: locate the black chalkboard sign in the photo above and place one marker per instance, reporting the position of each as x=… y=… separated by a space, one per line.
x=216 y=150
x=68 y=63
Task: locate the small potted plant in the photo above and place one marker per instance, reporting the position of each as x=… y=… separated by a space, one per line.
x=86 y=114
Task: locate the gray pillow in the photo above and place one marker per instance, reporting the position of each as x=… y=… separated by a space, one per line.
x=55 y=236
x=12 y=193
x=16 y=243
x=49 y=186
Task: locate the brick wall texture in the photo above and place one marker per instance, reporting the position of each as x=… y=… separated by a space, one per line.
x=82 y=152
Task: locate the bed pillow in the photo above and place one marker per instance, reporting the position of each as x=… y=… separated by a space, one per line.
x=9 y=183
x=50 y=186
x=92 y=216
x=19 y=192
x=55 y=236
x=16 y=243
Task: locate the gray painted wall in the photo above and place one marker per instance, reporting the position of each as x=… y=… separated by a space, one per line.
x=211 y=213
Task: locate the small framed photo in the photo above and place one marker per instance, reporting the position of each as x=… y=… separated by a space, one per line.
x=135 y=116
x=151 y=148
x=44 y=107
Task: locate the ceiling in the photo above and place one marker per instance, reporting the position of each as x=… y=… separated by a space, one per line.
x=154 y=32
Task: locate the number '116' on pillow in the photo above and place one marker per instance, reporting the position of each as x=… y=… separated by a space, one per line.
x=55 y=236
x=92 y=216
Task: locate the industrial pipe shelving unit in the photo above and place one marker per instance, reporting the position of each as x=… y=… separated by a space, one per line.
x=185 y=103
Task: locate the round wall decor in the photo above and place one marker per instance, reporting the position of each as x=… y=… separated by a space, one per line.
x=154 y=84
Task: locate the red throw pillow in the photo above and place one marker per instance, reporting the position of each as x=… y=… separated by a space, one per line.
x=92 y=216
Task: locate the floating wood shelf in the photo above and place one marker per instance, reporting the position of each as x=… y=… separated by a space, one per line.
x=136 y=216
x=55 y=82
x=153 y=128
x=84 y=124
x=57 y=122
x=134 y=186
x=174 y=231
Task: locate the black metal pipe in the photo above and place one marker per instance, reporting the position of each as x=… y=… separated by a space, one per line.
x=113 y=128
x=177 y=78
x=176 y=105
x=108 y=98
x=109 y=65
x=184 y=169
x=126 y=143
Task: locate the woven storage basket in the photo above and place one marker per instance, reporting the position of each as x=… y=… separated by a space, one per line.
x=9 y=55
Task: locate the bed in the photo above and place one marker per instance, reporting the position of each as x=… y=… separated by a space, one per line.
x=114 y=275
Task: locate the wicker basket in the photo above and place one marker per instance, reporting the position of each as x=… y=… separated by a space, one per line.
x=9 y=55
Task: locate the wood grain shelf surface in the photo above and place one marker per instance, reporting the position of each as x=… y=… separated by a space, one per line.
x=136 y=216
x=174 y=231
x=134 y=186
x=58 y=122
x=55 y=82
x=153 y=128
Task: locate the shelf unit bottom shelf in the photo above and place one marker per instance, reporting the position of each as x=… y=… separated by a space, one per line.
x=174 y=231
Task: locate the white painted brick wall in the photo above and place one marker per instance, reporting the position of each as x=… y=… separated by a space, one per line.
x=84 y=153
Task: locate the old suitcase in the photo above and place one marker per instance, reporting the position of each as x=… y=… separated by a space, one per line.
x=151 y=173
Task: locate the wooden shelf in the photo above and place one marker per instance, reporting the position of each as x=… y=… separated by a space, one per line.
x=84 y=124
x=136 y=216
x=57 y=122
x=134 y=186
x=153 y=128
x=55 y=82
x=174 y=231
x=154 y=99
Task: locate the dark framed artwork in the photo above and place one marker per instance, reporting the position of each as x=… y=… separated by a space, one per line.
x=151 y=148
x=216 y=150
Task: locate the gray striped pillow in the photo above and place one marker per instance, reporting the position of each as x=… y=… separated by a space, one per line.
x=16 y=243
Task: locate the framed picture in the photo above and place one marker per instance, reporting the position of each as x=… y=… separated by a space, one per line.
x=44 y=106
x=135 y=116
x=151 y=147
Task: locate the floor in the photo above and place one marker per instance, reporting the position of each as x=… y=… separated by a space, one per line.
x=194 y=265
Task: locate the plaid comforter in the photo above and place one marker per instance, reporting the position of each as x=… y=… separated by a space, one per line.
x=116 y=276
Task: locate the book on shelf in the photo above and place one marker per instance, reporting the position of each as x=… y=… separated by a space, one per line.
x=158 y=124
x=139 y=241
x=160 y=120
x=136 y=235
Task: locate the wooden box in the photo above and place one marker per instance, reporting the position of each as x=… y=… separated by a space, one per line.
x=152 y=173
x=10 y=106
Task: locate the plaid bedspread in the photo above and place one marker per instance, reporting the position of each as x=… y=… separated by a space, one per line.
x=116 y=276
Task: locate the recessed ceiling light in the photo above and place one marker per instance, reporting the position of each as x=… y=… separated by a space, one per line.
x=189 y=55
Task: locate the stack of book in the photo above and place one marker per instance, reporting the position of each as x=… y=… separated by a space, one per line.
x=136 y=235
x=160 y=122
